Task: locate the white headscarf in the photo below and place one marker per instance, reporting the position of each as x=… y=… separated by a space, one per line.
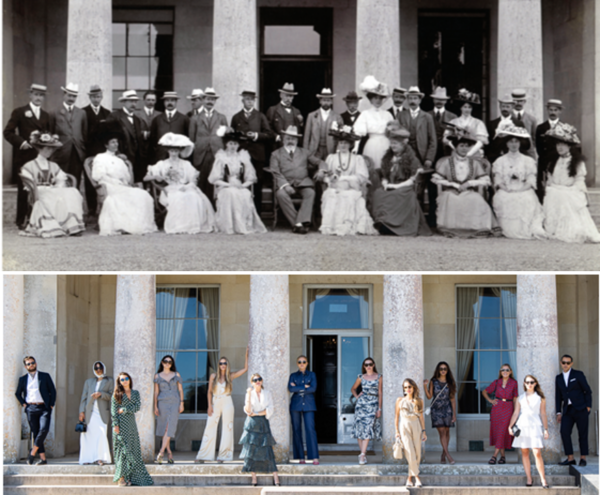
x=103 y=367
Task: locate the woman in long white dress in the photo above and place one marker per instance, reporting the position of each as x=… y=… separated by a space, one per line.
x=232 y=175
x=475 y=127
x=373 y=121
x=343 y=205
x=58 y=209
x=126 y=209
x=565 y=204
x=188 y=210
x=516 y=204
x=530 y=417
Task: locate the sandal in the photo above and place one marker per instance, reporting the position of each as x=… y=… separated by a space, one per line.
x=502 y=460
x=159 y=458
x=492 y=460
x=122 y=482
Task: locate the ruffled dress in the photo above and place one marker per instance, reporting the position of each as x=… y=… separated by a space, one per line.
x=257 y=444
x=530 y=423
x=372 y=123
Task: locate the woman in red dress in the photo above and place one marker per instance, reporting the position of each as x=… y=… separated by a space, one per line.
x=506 y=392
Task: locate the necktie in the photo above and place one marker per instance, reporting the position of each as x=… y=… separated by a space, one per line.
x=438 y=115
x=70 y=109
x=292 y=154
x=169 y=116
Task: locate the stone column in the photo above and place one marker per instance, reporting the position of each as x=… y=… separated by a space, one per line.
x=235 y=52
x=520 y=51
x=135 y=347
x=13 y=364
x=89 y=51
x=403 y=353
x=382 y=60
x=40 y=341
x=270 y=350
x=537 y=346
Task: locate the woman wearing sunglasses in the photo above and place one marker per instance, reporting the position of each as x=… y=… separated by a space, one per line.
x=129 y=465
x=257 y=441
x=533 y=424
x=506 y=391
x=94 y=409
x=410 y=427
x=302 y=385
x=442 y=388
x=368 y=407
x=220 y=403
x=168 y=404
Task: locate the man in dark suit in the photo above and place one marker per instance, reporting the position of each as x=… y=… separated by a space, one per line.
x=255 y=126
x=146 y=115
x=70 y=123
x=37 y=394
x=131 y=143
x=573 y=406
x=441 y=117
x=398 y=98
x=23 y=121
x=196 y=102
x=171 y=120
x=95 y=113
x=292 y=177
x=423 y=140
x=494 y=149
x=352 y=113
x=519 y=97
x=544 y=149
x=283 y=115
x=317 y=139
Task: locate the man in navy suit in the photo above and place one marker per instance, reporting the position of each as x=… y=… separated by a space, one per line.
x=302 y=385
x=23 y=121
x=37 y=394
x=573 y=406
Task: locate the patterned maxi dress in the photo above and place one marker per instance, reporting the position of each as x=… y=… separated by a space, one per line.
x=366 y=425
x=126 y=445
x=502 y=412
x=441 y=409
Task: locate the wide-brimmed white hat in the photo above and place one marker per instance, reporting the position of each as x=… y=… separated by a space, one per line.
x=414 y=90
x=196 y=93
x=71 y=88
x=211 y=92
x=172 y=140
x=129 y=95
x=373 y=86
x=440 y=94
x=292 y=130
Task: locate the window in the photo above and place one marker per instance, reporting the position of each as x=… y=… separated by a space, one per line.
x=486 y=338
x=187 y=327
x=334 y=307
x=142 y=50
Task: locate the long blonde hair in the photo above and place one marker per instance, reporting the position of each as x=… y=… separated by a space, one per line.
x=416 y=396
x=537 y=389
x=228 y=380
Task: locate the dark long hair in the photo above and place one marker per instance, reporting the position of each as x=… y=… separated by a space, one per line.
x=161 y=367
x=449 y=377
x=576 y=159
x=119 y=389
x=364 y=370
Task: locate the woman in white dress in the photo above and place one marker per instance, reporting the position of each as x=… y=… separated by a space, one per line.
x=58 y=208
x=530 y=417
x=475 y=127
x=565 y=204
x=126 y=208
x=343 y=205
x=94 y=410
x=188 y=210
x=232 y=175
x=516 y=204
x=373 y=121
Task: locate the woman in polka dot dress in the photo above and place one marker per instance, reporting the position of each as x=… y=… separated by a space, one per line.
x=129 y=466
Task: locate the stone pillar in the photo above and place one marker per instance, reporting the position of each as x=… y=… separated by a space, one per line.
x=40 y=341
x=537 y=346
x=382 y=60
x=235 y=52
x=270 y=350
x=403 y=353
x=89 y=51
x=520 y=51
x=596 y=90
x=13 y=364
x=135 y=347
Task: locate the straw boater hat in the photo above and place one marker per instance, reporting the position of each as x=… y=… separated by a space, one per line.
x=211 y=92
x=553 y=102
x=292 y=130
x=467 y=96
x=399 y=89
x=172 y=140
x=170 y=94
x=343 y=134
x=563 y=132
x=370 y=85
x=510 y=131
x=71 y=88
x=440 y=94
x=249 y=93
x=38 y=87
x=288 y=88
x=414 y=90
x=325 y=93
x=39 y=139
x=519 y=94
x=94 y=90
x=352 y=96
x=129 y=95
x=196 y=93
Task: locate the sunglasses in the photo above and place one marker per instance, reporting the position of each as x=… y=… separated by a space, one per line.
x=443 y=369
x=167 y=361
x=124 y=379
x=505 y=371
x=369 y=365
x=256 y=380
x=223 y=363
x=529 y=382
x=567 y=362
x=30 y=364
x=407 y=387
x=301 y=362
x=98 y=368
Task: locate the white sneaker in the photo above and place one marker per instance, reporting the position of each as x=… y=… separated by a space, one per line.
x=408 y=482
x=362 y=459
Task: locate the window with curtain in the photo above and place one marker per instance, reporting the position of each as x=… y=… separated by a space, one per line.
x=486 y=338
x=338 y=308
x=187 y=328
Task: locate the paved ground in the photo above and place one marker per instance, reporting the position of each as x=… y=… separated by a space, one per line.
x=283 y=251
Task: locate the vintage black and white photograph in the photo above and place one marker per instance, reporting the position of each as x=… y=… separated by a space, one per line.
x=202 y=135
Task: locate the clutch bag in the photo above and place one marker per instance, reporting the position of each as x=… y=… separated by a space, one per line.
x=516 y=431
x=80 y=427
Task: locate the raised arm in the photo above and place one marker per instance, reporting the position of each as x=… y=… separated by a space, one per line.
x=239 y=373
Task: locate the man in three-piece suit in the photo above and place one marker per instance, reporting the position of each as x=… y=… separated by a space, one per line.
x=196 y=102
x=494 y=149
x=573 y=406
x=441 y=116
x=147 y=114
x=284 y=114
x=23 y=121
x=398 y=98
x=255 y=126
x=292 y=177
x=303 y=385
x=423 y=140
x=352 y=113
x=170 y=120
x=70 y=123
x=317 y=139
x=544 y=148
x=37 y=394
x=131 y=143
x=528 y=121
x=203 y=133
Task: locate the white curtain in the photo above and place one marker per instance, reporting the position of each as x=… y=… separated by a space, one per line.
x=468 y=309
x=508 y=296
x=181 y=302
x=363 y=297
x=210 y=299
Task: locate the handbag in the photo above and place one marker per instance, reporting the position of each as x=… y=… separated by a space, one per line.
x=398 y=450
x=428 y=410
x=80 y=427
x=516 y=430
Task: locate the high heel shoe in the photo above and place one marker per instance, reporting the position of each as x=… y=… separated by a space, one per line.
x=254 y=482
x=159 y=458
x=276 y=483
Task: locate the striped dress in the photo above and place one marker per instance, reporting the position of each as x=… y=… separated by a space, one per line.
x=502 y=412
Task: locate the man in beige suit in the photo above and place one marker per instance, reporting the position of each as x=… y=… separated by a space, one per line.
x=317 y=139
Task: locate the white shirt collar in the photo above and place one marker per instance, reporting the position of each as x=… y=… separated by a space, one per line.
x=414 y=113
x=325 y=113
x=127 y=112
x=504 y=119
x=353 y=113
x=35 y=109
x=439 y=110
x=552 y=124
x=148 y=111
x=290 y=149
x=68 y=106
